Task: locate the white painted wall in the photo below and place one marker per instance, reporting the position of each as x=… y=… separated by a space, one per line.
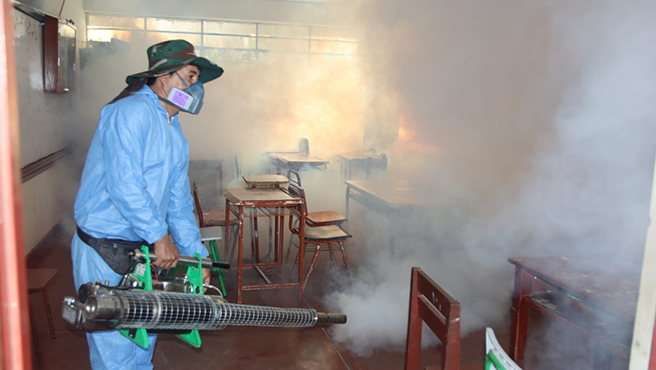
x=44 y=120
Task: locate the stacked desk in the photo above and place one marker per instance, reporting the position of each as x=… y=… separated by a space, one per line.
x=265 y=181
x=366 y=160
x=295 y=161
x=273 y=202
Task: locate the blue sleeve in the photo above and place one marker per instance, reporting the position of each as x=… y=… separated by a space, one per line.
x=125 y=130
x=180 y=215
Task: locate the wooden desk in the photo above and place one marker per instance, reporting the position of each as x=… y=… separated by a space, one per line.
x=392 y=198
x=265 y=181
x=366 y=160
x=603 y=284
x=296 y=161
x=277 y=203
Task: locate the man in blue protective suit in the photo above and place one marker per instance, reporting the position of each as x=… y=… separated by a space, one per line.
x=135 y=188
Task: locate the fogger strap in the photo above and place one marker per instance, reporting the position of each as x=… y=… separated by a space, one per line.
x=113 y=251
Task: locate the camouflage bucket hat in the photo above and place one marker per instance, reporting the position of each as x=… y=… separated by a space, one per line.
x=169 y=56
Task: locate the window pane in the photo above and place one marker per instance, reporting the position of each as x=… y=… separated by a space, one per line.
x=108 y=35
x=178 y=25
x=334 y=47
x=234 y=56
x=331 y=33
x=283 y=30
x=283 y=45
x=240 y=42
x=287 y=58
x=230 y=28
x=106 y=21
x=155 y=37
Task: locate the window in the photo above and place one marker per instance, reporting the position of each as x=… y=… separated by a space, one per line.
x=229 y=41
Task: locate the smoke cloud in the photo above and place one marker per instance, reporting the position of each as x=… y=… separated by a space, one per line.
x=538 y=114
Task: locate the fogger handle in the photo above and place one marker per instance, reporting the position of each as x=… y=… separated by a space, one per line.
x=188 y=260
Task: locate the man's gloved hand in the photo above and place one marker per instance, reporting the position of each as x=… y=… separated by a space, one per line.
x=166 y=252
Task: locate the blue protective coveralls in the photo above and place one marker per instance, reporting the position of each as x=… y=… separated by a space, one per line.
x=134 y=187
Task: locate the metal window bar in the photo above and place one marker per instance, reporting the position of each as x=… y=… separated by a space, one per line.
x=257 y=36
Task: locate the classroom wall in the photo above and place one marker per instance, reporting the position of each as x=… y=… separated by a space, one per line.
x=43 y=120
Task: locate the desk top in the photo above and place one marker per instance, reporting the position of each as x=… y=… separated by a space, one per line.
x=260 y=197
x=610 y=282
x=402 y=193
x=265 y=180
x=359 y=156
x=297 y=157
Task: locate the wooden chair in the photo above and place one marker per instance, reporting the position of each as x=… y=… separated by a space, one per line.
x=37 y=282
x=314 y=219
x=211 y=232
x=317 y=236
x=495 y=357
x=431 y=304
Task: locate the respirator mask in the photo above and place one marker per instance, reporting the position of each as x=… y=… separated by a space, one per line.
x=190 y=99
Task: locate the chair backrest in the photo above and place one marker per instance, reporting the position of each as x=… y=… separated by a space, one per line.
x=429 y=303
x=495 y=357
x=237 y=168
x=199 y=205
x=294 y=177
x=299 y=192
x=304 y=146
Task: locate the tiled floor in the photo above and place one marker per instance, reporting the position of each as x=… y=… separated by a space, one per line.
x=260 y=348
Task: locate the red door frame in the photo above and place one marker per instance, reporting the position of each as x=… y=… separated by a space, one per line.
x=14 y=318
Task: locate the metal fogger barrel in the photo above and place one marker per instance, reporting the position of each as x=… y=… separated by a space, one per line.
x=133 y=309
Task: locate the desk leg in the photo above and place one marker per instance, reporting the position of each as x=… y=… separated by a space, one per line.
x=35 y=333
x=240 y=253
x=346 y=211
x=274 y=234
x=256 y=237
x=226 y=232
x=281 y=240
x=301 y=252
x=221 y=180
x=602 y=359
x=51 y=325
x=520 y=316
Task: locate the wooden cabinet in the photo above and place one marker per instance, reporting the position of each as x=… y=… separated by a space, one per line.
x=58 y=55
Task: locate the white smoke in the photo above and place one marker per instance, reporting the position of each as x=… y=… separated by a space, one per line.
x=543 y=115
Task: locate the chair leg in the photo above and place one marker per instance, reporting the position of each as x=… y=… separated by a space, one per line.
x=332 y=255
x=51 y=324
x=314 y=259
x=289 y=246
x=233 y=240
x=35 y=334
x=341 y=246
x=217 y=258
x=296 y=261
